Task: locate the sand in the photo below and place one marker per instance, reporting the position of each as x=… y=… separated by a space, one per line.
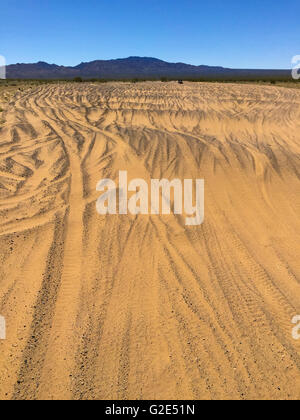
x=144 y=307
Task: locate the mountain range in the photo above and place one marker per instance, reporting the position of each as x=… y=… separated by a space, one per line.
x=135 y=67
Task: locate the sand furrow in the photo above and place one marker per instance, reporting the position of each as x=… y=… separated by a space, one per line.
x=125 y=306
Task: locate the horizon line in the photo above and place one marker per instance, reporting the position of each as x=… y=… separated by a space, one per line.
x=144 y=57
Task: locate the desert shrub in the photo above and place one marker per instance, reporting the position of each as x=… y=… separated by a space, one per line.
x=78 y=79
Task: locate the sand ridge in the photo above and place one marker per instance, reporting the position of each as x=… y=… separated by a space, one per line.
x=144 y=306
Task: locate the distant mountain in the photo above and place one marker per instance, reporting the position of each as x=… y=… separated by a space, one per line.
x=135 y=67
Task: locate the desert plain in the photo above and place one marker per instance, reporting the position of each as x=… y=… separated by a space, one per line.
x=145 y=307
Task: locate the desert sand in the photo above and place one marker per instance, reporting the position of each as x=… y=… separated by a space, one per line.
x=144 y=307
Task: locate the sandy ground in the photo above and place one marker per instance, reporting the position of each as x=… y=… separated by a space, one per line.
x=125 y=307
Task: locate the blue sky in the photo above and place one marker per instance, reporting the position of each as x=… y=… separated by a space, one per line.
x=233 y=33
